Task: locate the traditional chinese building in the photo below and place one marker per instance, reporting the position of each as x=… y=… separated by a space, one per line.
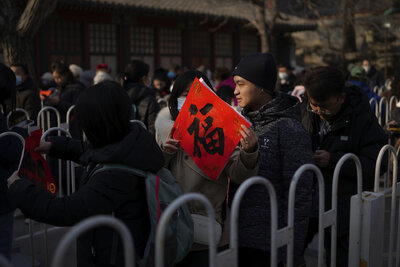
x=185 y=32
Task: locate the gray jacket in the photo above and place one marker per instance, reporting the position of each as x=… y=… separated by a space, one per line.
x=284 y=146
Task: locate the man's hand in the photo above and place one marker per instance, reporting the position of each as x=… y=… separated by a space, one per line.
x=52 y=100
x=12 y=179
x=43 y=148
x=321 y=158
x=249 y=140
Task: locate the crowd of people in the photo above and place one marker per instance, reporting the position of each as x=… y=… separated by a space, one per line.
x=316 y=118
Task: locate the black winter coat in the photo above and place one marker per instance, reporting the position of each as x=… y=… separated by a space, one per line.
x=11 y=149
x=284 y=146
x=354 y=130
x=146 y=104
x=27 y=98
x=68 y=95
x=374 y=78
x=103 y=193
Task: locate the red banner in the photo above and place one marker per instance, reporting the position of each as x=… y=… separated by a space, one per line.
x=34 y=167
x=208 y=129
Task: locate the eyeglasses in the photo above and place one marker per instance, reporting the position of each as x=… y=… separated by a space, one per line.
x=319 y=112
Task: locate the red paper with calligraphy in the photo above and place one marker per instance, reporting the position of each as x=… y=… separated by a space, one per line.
x=208 y=129
x=34 y=167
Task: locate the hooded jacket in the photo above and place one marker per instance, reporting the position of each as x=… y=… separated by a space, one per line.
x=145 y=101
x=106 y=192
x=284 y=146
x=191 y=178
x=355 y=129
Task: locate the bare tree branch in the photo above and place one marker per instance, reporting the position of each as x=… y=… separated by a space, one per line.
x=222 y=23
x=35 y=13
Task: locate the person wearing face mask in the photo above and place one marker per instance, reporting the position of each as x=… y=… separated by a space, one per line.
x=243 y=163
x=373 y=75
x=286 y=79
x=27 y=93
x=144 y=104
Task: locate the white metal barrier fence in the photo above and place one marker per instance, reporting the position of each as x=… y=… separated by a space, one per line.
x=279 y=237
x=362 y=248
x=41 y=117
x=17 y=110
x=166 y=216
x=385 y=107
x=96 y=221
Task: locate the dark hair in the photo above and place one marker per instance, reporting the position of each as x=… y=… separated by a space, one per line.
x=182 y=82
x=221 y=74
x=160 y=74
x=135 y=70
x=225 y=92
x=103 y=112
x=22 y=66
x=321 y=83
x=7 y=90
x=63 y=69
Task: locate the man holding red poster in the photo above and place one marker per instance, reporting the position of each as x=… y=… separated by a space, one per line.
x=200 y=134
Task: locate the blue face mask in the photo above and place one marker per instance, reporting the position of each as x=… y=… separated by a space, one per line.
x=18 y=80
x=181 y=101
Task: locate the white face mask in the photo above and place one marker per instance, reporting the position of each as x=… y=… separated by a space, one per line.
x=181 y=101
x=283 y=75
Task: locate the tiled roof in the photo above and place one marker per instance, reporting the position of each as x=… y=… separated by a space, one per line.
x=218 y=8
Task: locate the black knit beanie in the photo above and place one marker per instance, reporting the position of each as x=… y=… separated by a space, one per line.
x=260 y=69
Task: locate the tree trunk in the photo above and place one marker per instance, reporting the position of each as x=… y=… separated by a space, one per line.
x=349 y=35
x=18 y=28
x=262 y=29
x=19 y=50
x=264 y=41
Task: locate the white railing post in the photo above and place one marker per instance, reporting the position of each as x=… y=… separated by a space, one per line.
x=26 y=113
x=383 y=99
x=376 y=106
x=166 y=216
x=69 y=164
x=234 y=234
x=393 y=202
x=41 y=113
x=83 y=226
x=355 y=252
x=22 y=140
x=321 y=214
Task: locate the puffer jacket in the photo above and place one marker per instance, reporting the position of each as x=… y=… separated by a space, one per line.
x=107 y=192
x=284 y=147
x=354 y=130
x=146 y=104
x=191 y=178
